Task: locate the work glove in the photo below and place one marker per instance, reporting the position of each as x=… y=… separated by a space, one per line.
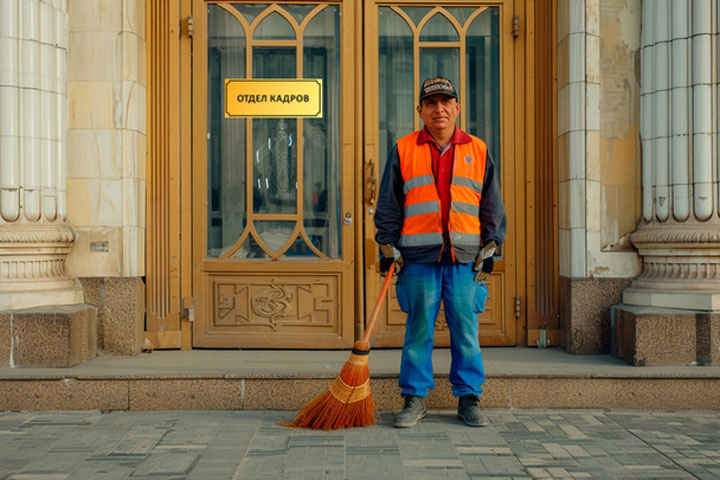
x=484 y=262
x=390 y=255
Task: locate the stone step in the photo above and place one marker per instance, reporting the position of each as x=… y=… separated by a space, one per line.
x=286 y=380
x=228 y=393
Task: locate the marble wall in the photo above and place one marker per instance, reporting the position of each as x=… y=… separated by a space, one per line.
x=598 y=151
x=106 y=137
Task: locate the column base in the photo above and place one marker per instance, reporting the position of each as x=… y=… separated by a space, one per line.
x=32 y=266
x=57 y=336
x=29 y=294
x=678 y=299
x=670 y=312
x=652 y=336
x=120 y=302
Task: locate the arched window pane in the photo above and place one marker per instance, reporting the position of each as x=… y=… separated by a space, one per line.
x=274 y=27
x=273 y=234
x=439 y=29
x=416 y=13
x=461 y=14
x=250 y=12
x=299 y=11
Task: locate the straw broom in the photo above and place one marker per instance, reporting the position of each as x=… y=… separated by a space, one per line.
x=348 y=402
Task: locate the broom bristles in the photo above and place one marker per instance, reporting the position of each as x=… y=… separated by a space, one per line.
x=348 y=402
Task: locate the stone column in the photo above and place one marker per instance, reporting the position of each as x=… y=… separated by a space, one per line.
x=679 y=235
x=35 y=236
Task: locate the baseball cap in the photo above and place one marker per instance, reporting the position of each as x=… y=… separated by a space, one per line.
x=435 y=85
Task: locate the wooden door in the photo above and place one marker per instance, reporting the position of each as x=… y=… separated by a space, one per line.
x=272 y=197
x=473 y=45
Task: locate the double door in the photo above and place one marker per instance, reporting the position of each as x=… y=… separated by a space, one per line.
x=282 y=252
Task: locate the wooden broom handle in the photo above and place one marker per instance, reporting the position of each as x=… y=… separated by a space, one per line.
x=378 y=303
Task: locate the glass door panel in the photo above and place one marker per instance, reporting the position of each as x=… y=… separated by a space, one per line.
x=395 y=75
x=273 y=232
x=465 y=44
x=322 y=199
x=482 y=60
x=293 y=163
x=433 y=34
x=226 y=171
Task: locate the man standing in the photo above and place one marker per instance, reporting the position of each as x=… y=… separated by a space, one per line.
x=440 y=217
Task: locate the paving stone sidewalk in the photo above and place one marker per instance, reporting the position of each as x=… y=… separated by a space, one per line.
x=206 y=445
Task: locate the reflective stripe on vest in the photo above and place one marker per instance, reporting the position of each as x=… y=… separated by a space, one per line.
x=421 y=239
x=418 y=182
x=420 y=208
x=466 y=208
x=465 y=246
x=422 y=225
x=474 y=185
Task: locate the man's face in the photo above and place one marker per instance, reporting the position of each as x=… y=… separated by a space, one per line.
x=439 y=112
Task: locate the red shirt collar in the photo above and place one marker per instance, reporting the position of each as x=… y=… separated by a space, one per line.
x=458 y=137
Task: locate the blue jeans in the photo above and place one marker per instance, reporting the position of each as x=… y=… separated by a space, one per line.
x=420 y=287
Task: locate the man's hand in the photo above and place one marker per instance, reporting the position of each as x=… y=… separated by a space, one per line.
x=484 y=262
x=390 y=255
x=487 y=268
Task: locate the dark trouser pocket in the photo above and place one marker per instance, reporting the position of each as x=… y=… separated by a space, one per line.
x=481 y=294
x=402 y=297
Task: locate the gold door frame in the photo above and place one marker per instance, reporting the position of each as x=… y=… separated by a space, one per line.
x=541 y=200
x=504 y=283
x=172 y=299
x=204 y=271
x=165 y=327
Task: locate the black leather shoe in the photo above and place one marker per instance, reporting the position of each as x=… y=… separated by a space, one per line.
x=411 y=413
x=469 y=411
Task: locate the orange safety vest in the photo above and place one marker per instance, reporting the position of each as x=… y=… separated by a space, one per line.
x=422 y=224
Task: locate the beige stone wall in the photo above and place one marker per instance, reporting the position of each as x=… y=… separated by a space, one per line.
x=598 y=142
x=619 y=144
x=106 y=137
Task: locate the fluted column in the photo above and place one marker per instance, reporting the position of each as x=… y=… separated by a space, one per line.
x=679 y=235
x=34 y=234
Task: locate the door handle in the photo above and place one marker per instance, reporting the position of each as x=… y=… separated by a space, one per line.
x=371 y=182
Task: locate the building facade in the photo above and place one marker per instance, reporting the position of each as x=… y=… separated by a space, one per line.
x=202 y=174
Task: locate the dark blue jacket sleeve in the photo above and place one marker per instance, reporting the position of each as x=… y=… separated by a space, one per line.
x=391 y=201
x=492 y=211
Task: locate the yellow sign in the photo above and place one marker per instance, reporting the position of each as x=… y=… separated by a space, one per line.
x=272 y=98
